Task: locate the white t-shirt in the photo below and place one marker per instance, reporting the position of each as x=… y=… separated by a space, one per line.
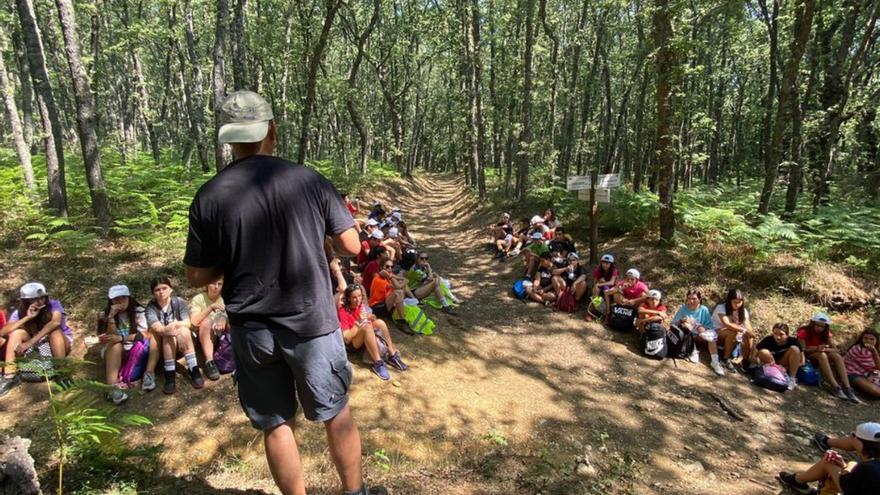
x=721 y=310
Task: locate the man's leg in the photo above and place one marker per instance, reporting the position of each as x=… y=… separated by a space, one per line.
x=344 y=441
x=282 y=455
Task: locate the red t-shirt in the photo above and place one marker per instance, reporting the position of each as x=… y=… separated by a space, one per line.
x=351 y=208
x=347 y=318
x=635 y=291
x=370 y=271
x=2 y=318
x=660 y=307
x=597 y=274
x=810 y=338
x=362 y=256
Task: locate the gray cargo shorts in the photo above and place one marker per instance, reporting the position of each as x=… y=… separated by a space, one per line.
x=276 y=370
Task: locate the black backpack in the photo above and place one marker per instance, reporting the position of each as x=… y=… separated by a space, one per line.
x=408 y=259
x=623 y=319
x=653 y=341
x=679 y=343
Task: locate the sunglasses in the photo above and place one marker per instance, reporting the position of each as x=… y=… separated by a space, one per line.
x=388 y=267
x=424 y=258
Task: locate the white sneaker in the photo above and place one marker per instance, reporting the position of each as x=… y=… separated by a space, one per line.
x=694 y=357
x=792 y=385
x=716 y=367
x=149 y=382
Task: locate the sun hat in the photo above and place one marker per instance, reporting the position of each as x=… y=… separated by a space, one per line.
x=655 y=294
x=396 y=215
x=821 y=318
x=377 y=234
x=868 y=431
x=244 y=118
x=32 y=290
x=537 y=219
x=632 y=272
x=372 y=222
x=117 y=291
x=608 y=257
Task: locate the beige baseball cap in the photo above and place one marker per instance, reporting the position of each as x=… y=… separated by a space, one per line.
x=245 y=117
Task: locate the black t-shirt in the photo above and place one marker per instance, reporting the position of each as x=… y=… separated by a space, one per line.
x=546 y=277
x=573 y=275
x=560 y=246
x=864 y=479
x=262 y=221
x=505 y=227
x=777 y=350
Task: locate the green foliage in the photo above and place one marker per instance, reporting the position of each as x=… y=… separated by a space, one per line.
x=381 y=459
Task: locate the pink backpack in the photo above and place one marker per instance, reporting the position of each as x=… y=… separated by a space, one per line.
x=566 y=301
x=136 y=364
x=224 y=357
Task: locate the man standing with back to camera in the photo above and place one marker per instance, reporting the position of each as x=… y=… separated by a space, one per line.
x=261 y=224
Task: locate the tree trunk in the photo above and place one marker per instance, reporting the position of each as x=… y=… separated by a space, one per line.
x=240 y=78
x=567 y=136
x=803 y=21
x=317 y=53
x=27 y=91
x=21 y=147
x=666 y=66
x=350 y=103
x=218 y=79
x=771 y=19
x=48 y=111
x=193 y=85
x=525 y=136
x=86 y=118
x=478 y=97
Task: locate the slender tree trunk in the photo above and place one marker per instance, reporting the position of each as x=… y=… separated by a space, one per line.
x=86 y=118
x=240 y=77
x=317 y=53
x=567 y=137
x=801 y=33
x=27 y=91
x=218 y=79
x=21 y=147
x=771 y=18
x=665 y=63
x=478 y=97
x=350 y=103
x=193 y=85
x=525 y=136
x=48 y=111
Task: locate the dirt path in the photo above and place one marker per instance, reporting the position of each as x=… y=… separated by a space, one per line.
x=504 y=398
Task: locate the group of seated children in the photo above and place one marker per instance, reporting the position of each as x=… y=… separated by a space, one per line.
x=131 y=336
x=552 y=272
x=389 y=279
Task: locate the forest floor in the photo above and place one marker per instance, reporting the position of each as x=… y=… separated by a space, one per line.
x=506 y=397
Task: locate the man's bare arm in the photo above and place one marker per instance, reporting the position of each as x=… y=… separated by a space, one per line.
x=347 y=244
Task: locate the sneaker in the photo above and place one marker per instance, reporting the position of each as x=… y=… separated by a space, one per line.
x=840 y=394
x=716 y=367
x=695 y=357
x=148 y=383
x=117 y=396
x=851 y=396
x=788 y=480
x=211 y=371
x=792 y=384
x=729 y=365
x=398 y=363
x=380 y=370
x=170 y=386
x=403 y=327
x=821 y=440
x=449 y=310
x=196 y=377
x=8 y=383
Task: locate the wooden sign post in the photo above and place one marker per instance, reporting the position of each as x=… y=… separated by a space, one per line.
x=587 y=185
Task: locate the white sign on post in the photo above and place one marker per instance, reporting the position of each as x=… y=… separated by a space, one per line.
x=581 y=182
x=602 y=195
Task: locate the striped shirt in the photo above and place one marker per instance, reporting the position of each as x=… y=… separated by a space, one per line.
x=859 y=361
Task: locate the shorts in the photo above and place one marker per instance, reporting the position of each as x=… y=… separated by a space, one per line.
x=381 y=311
x=852 y=377
x=707 y=335
x=277 y=371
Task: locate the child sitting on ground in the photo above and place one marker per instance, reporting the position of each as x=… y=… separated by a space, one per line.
x=836 y=475
x=694 y=316
x=651 y=311
x=782 y=349
x=862 y=362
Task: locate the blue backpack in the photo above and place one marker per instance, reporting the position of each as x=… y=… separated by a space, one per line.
x=519 y=289
x=808 y=375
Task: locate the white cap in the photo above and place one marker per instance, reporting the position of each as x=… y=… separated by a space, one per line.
x=505 y=215
x=32 y=290
x=396 y=215
x=245 y=117
x=537 y=235
x=821 y=318
x=868 y=431
x=573 y=256
x=118 y=290
x=537 y=219
x=393 y=232
x=377 y=234
x=372 y=222
x=632 y=272
x=655 y=294
x=607 y=257
x=395 y=209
